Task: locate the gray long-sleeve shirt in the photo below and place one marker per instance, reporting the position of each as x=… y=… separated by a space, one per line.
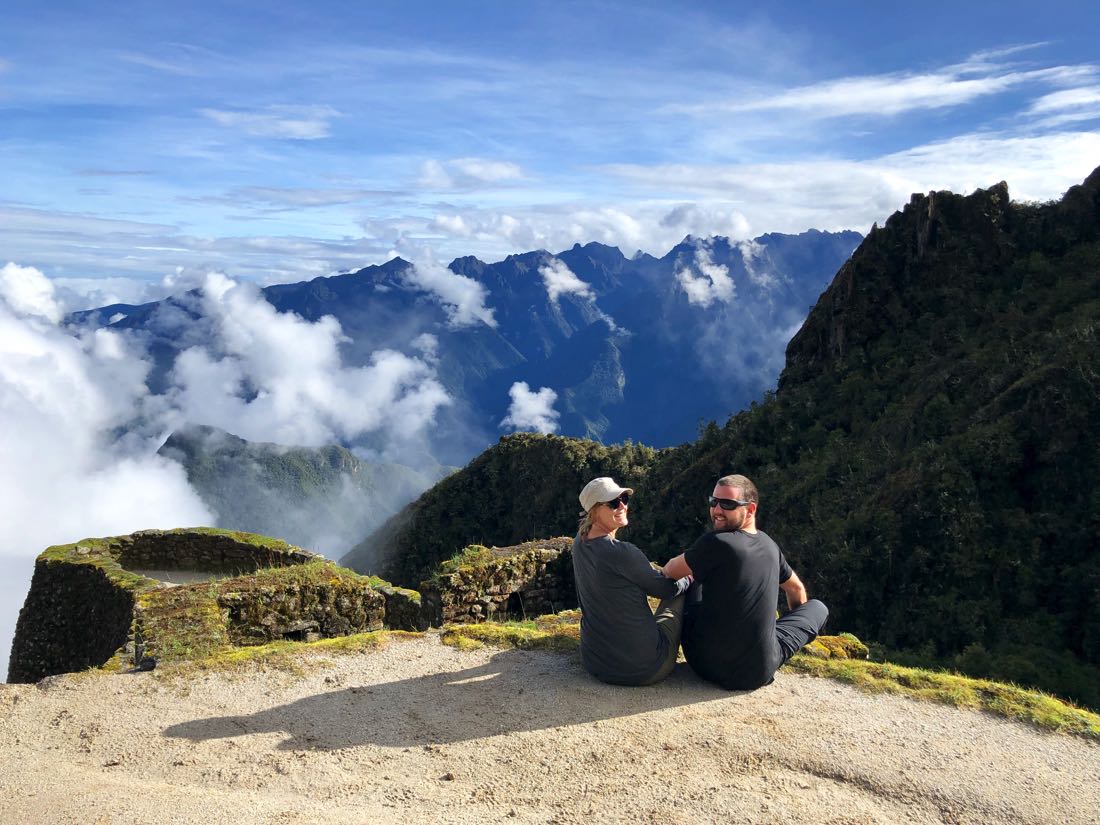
x=620 y=642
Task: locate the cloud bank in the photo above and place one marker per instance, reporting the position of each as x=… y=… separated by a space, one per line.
x=81 y=430
x=65 y=473
x=271 y=376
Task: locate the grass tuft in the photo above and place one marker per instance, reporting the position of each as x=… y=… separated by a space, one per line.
x=522 y=635
x=1007 y=700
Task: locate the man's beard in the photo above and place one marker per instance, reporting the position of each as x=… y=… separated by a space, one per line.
x=734 y=520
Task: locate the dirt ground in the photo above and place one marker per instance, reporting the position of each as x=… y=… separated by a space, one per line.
x=421 y=732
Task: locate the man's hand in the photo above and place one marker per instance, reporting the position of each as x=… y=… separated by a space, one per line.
x=676 y=568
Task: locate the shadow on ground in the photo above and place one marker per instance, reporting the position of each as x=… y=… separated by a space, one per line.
x=514 y=691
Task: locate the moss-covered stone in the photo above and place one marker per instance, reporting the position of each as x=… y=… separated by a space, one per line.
x=480 y=583
x=844 y=646
x=404 y=607
x=304 y=603
x=84 y=596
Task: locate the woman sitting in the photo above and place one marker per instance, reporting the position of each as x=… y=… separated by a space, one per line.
x=622 y=641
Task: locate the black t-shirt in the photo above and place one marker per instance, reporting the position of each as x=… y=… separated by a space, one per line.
x=729 y=635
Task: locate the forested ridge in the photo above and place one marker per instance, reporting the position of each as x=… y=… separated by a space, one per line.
x=928 y=461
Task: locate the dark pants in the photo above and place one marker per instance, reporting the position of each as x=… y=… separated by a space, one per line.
x=670 y=623
x=798 y=628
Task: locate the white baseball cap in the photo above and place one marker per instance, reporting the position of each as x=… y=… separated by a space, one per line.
x=599 y=490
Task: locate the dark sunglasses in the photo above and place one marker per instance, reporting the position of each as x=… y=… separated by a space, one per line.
x=623 y=500
x=726 y=503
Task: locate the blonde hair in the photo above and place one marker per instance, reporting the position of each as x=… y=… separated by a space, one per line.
x=587 y=521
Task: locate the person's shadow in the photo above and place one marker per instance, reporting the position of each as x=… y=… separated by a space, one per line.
x=515 y=691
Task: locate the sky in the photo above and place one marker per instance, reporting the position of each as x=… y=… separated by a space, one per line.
x=280 y=141
x=150 y=148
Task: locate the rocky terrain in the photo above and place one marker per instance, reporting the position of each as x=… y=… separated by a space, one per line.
x=418 y=730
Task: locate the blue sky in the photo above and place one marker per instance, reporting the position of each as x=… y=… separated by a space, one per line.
x=141 y=144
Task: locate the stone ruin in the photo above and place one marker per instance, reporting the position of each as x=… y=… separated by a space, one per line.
x=107 y=602
x=494 y=583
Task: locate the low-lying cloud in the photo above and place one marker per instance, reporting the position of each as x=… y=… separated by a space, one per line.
x=65 y=472
x=273 y=376
x=559 y=280
x=709 y=282
x=531 y=410
x=462 y=298
x=81 y=430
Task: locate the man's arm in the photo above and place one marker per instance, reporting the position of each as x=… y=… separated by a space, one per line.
x=677 y=568
x=635 y=567
x=795 y=591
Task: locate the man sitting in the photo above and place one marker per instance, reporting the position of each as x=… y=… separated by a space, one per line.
x=731 y=635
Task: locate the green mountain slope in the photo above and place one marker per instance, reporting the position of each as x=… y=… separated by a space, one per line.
x=510 y=493
x=321 y=498
x=929 y=459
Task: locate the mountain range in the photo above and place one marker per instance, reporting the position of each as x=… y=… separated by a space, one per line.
x=628 y=345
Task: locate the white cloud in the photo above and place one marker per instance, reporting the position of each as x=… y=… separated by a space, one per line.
x=463 y=298
x=1067 y=106
x=559 y=279
x=64 y=472
x=284 y=197
x=833 y=194
x=700 y=220
x=272 y=376
x=467 y=173
x=27 y=292
x=898 y=92
x=712 y=284
x=427 y=345
x=531 y=410
x=288 y=122
x=1066 y=99
x=755 y=257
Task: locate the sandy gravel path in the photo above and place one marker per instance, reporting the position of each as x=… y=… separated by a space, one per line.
x=420 y=732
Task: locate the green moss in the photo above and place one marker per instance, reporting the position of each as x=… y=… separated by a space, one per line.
x=1005 y=700
x=318 y=571
x=102 y=553
x=468 y=559
x=181 y=622
x=509 y=635
x=188 y=622
x=844 y=646
x=253 y=539
x=382 y=585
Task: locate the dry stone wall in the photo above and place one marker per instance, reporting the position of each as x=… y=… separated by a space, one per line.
x=90 y=604
x=263 y=609
x=79 y=610
x=228 y=552
x=520 y=581
x=74 y=617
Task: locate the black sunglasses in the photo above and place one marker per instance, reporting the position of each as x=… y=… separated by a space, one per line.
x=726 y=503
x=623 y=500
